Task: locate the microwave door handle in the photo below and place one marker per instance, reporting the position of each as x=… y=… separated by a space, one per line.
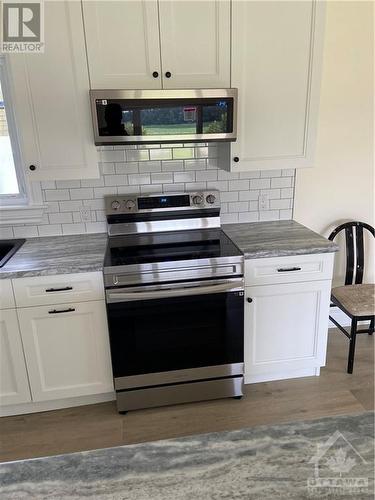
x=170 y=293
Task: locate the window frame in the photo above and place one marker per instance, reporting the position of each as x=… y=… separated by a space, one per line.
x=21 y=198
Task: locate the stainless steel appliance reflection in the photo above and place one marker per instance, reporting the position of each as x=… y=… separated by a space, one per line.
x=175 y=300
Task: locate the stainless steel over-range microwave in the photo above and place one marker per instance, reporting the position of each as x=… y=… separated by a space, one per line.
x=163 y=116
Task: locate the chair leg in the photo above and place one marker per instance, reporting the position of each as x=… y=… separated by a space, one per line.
x=353 y=333
x=371 y=328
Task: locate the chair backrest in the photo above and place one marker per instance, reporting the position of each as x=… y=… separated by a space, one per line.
x=355 y=253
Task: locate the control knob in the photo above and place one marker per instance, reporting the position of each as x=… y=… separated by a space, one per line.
x=197 y=200
x=115 y=205
x=129 y=204
x=210 y=199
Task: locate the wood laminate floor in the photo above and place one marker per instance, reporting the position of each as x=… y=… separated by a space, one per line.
x=100 y=426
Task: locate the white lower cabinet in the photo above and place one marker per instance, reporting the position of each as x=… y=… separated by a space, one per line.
x=66 y=349
x=286 y=327
x=14 y=386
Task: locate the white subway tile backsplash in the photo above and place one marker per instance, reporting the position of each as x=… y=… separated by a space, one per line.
x=107 y=168
x=150 y=166
x=173 y=188
x=227 y=196
x=281 y=203
x=184 y=177
x=130 y=167
x=61 y=217
x=160 y=154
x=159 y=168
x=162 y=178
x=172 y=165
x=73 y=228
x=96 y=227
x=91 y=183
x=56 y=194
x=68 y=184
x=81 y=194
x=25 y=231
x=50 y=230
x=248 y=217
x=287 y=193
x=260 y=183
x=240 y=185
x=183 y=153
x=249 y=195
x=108 y=155
x=115 y=180
x=70 y=206
x=239 y=206
x=139 y=179
x=281 y=182
x=155 y=188
x=206 y=175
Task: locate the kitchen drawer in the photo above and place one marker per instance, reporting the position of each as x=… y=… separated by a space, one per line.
x=60 y=289
x=6 y=294
x=290 y=269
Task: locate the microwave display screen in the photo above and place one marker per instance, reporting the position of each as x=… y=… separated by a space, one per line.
x=124 y=117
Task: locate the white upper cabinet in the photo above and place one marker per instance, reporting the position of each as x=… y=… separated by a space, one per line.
x=51 y=100
x=151 y=44
x=276 y=66
x=195 y=43
x=123 y=47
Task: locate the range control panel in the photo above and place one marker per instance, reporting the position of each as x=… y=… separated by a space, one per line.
x=128 y=204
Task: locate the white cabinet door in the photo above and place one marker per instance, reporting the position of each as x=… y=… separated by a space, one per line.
x=67 y=353
x=14 y=386
x=123 y=44
x=195 y=43
x=51 y=100
x=286 y=329
x=276 y=65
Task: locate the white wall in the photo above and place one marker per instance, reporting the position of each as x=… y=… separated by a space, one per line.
x=341 y=186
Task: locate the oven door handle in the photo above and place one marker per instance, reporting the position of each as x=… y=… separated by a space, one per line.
x=113 y=296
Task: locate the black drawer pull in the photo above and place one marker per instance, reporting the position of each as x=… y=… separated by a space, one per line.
x=287 y=269
x=249 y=300
x=55 y=311
x=64 y=289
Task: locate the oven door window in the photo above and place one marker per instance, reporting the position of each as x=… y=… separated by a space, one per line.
x=176 y=333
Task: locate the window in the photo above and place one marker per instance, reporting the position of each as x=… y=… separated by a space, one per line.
x=12 y=183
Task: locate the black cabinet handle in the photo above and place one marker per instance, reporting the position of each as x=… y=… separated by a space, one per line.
x=287 y=269
x=64 y=289
x=32 y=168
x=168 y=74
x=155 y=74
x=55 y=311
x=236 y=159
x=249 y=300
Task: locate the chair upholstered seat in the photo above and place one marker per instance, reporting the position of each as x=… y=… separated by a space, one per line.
x=357 y=300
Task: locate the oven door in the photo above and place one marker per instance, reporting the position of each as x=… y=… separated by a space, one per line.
x=171 y=327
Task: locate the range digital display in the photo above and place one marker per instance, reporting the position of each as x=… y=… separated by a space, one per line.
x=151 y=202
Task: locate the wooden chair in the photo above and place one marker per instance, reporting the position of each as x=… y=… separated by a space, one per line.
x=355 y=299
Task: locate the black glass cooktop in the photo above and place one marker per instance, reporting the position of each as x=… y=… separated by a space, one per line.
x=165 y=247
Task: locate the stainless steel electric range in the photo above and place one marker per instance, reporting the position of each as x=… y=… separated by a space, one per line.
x=175 y=300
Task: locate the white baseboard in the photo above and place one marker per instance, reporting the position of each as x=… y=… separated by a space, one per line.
x=304 y=372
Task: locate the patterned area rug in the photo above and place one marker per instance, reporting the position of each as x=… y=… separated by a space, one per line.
x=326 y=458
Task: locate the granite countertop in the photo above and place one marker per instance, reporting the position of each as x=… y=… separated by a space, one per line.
x=85 y=252
x=277 y=239
x=57 y=255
